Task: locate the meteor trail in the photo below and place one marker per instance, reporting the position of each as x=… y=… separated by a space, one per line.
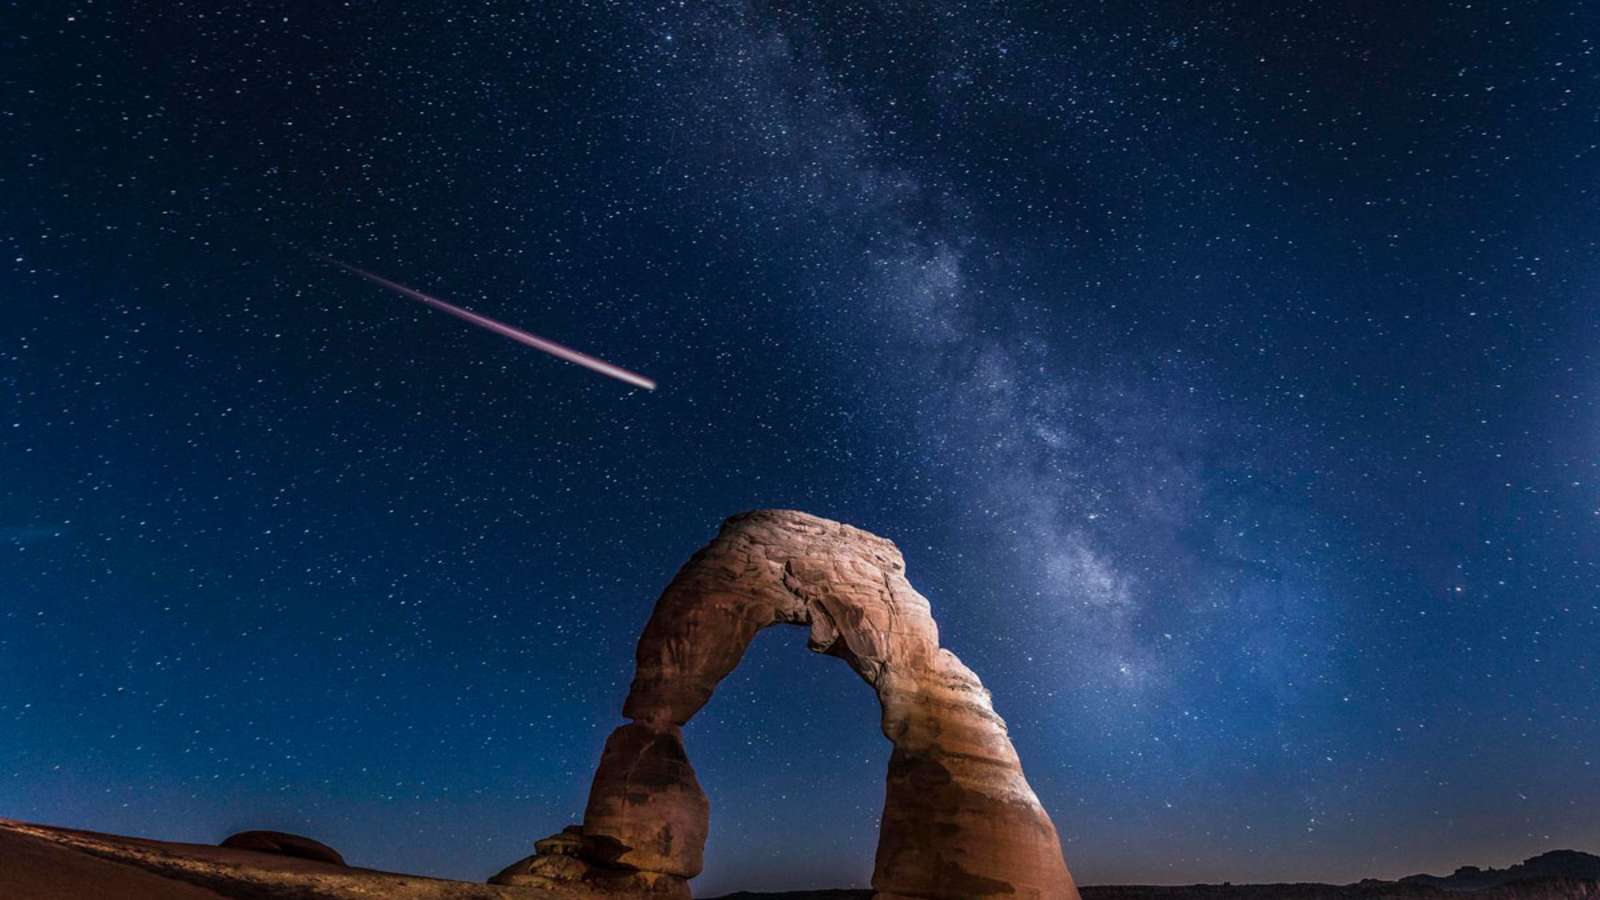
x=500 y=328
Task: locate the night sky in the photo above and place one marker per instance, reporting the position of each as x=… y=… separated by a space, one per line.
x=1226 y=370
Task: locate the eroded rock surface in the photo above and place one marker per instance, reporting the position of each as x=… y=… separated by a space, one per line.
x=960 y=821
x=283 y=844
x=646 y=809
x=555 y=870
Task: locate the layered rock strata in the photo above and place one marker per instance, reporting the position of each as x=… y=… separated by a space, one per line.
x=960 y=821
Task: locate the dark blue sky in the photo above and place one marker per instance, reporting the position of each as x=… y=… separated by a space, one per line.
x=1225 y=370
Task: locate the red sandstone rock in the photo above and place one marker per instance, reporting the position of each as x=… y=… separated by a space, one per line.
x=283 y=844
x=960 y=821
x=646 y=809
x=556 y=871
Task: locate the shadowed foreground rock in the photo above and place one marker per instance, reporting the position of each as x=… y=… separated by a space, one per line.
x=284 y=845
x=38 y=862
x=959 y=822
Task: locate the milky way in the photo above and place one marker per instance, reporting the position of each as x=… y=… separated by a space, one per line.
x=1225 y=371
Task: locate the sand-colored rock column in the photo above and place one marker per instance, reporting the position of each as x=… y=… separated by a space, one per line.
x=959 y=822
x=646 y=809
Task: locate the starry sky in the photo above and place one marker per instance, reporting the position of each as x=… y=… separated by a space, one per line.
x=1226 y=370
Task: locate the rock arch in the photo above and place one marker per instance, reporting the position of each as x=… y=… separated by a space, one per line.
x=959 y=821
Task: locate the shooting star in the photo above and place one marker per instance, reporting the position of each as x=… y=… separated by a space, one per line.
x=516 y=334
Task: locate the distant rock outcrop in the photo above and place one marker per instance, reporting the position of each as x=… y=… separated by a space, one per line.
x=959 y=822
x=1557 y=864
x=283 y=844
x=1557 y=875
x=1370 y=889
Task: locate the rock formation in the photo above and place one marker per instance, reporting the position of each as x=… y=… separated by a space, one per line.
x=1556 y=864
x=959 y=823
x=283 y=844
x=38 y=862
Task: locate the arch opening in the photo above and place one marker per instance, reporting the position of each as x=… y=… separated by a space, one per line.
x=789 y=754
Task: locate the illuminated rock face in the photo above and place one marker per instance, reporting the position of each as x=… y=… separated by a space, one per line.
x=959 y=823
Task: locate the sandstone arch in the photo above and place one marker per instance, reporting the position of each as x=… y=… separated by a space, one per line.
x=960 y=821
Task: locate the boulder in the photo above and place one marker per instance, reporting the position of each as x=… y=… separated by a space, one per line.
x=284 y=844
